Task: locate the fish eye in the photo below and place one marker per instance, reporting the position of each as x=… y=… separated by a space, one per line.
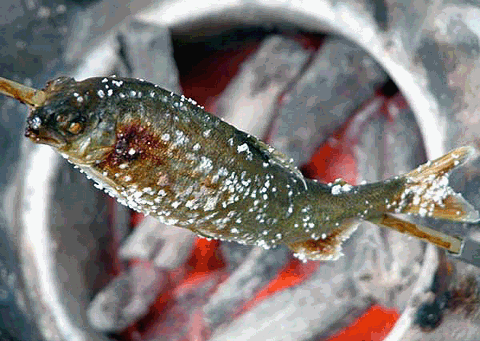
x=75 y=128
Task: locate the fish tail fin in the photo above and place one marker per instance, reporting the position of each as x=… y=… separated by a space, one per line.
x=427 y=192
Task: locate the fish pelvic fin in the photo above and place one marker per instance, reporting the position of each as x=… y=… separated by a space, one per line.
x=327 y=246
x=427 y=192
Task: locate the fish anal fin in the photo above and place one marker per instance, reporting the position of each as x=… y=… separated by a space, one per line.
x=437 y=238
x=327 y=246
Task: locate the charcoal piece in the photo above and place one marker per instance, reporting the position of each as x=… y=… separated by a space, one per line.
x=168 y=246
x=91 y=47
x=403 y=139
x=92 y=26
x=250 y=99
x=370 y=148
x=183 y=318
x=104 y=312
x=383 y=267
x=301 y=312
x=126 y=299
x=234 y=254
x=339 y=78
x=177 y=247
x=258 y=269
x=147 y=52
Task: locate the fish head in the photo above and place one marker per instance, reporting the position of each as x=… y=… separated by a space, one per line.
x=73 y=121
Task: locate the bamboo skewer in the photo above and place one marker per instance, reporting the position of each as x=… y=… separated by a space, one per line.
x=24 y=94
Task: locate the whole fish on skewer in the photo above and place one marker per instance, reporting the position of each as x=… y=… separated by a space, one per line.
x=163 y=155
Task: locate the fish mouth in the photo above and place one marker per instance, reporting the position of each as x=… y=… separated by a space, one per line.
x=45 y=136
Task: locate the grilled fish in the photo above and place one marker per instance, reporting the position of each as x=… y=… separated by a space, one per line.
x=163 y=155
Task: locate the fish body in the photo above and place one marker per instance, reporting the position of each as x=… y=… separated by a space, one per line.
x=163 y=155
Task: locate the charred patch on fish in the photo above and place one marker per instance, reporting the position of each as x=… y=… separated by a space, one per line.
x=136 y=143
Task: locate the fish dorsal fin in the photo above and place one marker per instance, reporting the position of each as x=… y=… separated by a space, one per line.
x=277 y=157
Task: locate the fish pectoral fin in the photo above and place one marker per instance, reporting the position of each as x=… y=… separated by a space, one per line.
x=437 y=238
x=328 y=246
